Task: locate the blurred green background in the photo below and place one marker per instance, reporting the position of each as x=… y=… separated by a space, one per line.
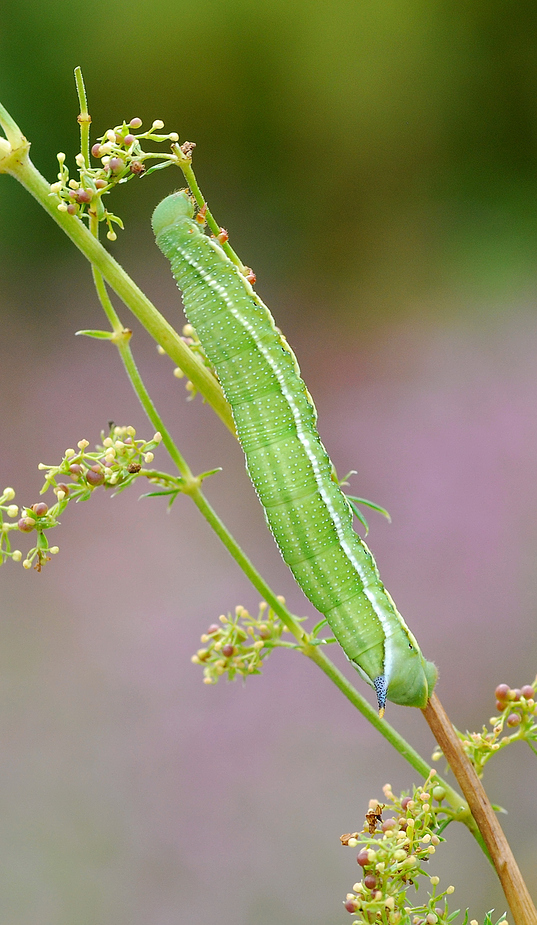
x=375 y=164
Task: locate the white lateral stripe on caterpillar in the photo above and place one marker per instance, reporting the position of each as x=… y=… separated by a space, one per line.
x=275 y=419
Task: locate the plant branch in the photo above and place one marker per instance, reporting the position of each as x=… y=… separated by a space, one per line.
x=516 y=892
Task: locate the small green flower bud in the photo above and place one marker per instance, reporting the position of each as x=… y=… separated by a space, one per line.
x=148 y=457
x=438 y=793
x=12 y=510
x=158 y=124
x=8 y=494
x=62 y=207
x=26 y=564
x=173 y=136
x=157 y=438
x=82 y=444
x=16 y=555
x=434 y=880
x=54 y=550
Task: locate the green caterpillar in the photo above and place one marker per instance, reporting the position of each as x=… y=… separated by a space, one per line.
x=275 y=419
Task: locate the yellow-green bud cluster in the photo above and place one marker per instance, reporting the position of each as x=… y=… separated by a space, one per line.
x=238 y=644
x=399 y=835
x=517 y=721
x=116 y=463
x=121 y=158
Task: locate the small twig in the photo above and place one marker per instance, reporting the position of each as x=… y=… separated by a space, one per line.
x=516 y=891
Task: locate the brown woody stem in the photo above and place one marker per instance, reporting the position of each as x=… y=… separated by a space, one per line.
x=516 y=891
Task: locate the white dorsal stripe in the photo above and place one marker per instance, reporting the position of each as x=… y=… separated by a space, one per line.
x=304 y=435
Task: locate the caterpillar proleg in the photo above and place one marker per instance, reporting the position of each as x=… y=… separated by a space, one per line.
x=275 y=419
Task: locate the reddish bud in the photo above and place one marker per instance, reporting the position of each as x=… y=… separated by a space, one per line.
x=83 y=195
x=405 y=801
x=500 y=705
x=75 y=470
x=363 y=858
x=528 y=692
x=115 y=164
x=128 y=140
x=100 y=184
x=370 y=881
x=516 y=692
x=40 y=509
x=389 y=824
x=72 y=208
x=63 y=487
x=502 y=691
x=135 y=123
x=214 y=628
x=228 y=650
x=513 y=719
x=96 y=150
x=350 y=905
x=95 y=476
x=26 y=524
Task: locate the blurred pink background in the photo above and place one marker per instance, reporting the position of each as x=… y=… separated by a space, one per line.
x=129 y=791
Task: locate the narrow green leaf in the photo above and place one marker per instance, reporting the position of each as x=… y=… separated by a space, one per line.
x=359 y=515
x=99 y=335
x=371 y=504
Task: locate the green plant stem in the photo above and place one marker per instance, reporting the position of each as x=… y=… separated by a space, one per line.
x=516 y=891
x=190 y=177
x=84 y=117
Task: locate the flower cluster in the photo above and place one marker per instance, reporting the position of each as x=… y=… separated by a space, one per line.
x=237 y=645
x=121 y=158
x=393 y=850
x=116 y=463
x=518 y=712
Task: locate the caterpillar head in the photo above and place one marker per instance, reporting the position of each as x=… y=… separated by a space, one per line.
x=175 y=208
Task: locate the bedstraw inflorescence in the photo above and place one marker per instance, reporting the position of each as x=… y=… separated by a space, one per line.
x=121 y=157
x=114 y=464
x=397 y=842
x=239 y=643
x=517 y=722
